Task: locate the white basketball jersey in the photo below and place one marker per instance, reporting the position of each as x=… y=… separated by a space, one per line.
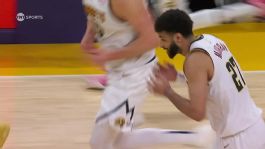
x=230 y=108
x=112 y=33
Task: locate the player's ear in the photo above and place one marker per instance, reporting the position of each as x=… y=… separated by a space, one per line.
x=177 y=37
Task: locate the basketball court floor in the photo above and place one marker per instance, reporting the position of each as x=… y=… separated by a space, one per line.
x=57 y=112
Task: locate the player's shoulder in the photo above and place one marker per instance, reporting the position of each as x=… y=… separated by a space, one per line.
x=203 y=41
x=127 y=4
x=198 y=63
x=196 y=55
x=127 y=9
x=203 y=38
x=198 y=48
x=197 y=59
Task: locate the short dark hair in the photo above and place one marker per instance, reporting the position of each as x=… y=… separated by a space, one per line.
x=173 y=21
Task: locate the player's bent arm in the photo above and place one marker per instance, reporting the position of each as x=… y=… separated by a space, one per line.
x=136 y=14
x=196 y=70
x=183 y=104
x=88 y=38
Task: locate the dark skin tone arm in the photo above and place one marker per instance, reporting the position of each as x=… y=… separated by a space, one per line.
x=198 y=68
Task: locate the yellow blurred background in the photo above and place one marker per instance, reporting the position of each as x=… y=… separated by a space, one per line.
x=245 y=40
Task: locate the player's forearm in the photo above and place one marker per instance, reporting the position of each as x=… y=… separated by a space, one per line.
x=136 y=48
x=89 y=34
x=87 y=42
x=184 y=105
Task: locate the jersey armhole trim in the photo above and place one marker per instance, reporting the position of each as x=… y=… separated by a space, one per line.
x=207 y=53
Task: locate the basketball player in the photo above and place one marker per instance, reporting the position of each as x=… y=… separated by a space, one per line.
x=215 y=83
x=208 y=17
x=4 y=131
x=124 y=30
x=155 y=7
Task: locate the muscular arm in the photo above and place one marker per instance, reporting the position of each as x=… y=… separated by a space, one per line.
x=198 y=68
x=136 y=14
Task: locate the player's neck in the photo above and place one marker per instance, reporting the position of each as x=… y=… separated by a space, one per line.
x=187 y=44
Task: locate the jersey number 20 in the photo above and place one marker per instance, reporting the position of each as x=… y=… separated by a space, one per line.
x=231 y=66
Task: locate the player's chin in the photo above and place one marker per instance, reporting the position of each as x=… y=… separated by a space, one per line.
x=171 y=53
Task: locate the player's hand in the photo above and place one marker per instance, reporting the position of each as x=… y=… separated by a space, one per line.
x=88 y=47
x=168 y=71
x=158 y=84
x=99 y=57
x=87 y=44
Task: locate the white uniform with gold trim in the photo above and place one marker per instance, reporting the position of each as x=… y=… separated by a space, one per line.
x=112 y=33
x=230 y=108
x=127 y=78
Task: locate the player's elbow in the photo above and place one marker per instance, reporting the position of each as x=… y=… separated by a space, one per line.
x=152 y=41
x=198 y=118
x=198 y=115
x=155 y=40
x=151 y=37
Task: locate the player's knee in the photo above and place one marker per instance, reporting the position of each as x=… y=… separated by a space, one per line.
x=97 y=143
x=94 y=143
x=103 y=136
x=98 y=136
x=123 y=140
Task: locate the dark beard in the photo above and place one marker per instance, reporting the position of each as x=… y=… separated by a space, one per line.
x=173 y=50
